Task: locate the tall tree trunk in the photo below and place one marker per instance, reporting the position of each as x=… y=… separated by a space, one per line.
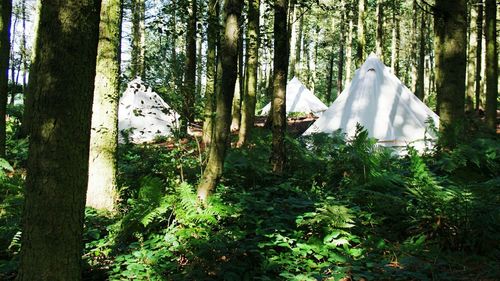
x=298 y=45
x=479 y=54
x=329 y=79
x=380 y=30
x=199 y=66
x=101 y=192
x=450 y=47
x=360 y=54
x=340 y=62
x=137 y=66
x=278 y=104
x=395 y=38
x=420 y=91
x=348 y=54
x=24 y=53
x=212 y=34
x=414 y=47
x=236 y=110
x=471 y=57
x=249 y=101
x=491 y=64
x=227 y=67
x=189 y=87
x=61 y=82
x=5 y=13
x=293 y=37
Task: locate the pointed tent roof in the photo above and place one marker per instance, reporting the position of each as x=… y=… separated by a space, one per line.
x=380 y=102
x=145 y=113
x=299 y=99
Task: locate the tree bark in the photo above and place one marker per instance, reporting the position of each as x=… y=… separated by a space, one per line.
x=479 y=54
x=137 y=66
x=62 y=86
x=348 y=54
x=471 y=57
x=237 y=98
x=414 y=47
x=340 y=62
x=420 y=91
x=5 y=13
x=249 y=101
x=395 y=38
x=450 y=28
x=212 y=34
x=379 y=44
x=227 y=68
x=189 y=87
x=360 y=55
x=491 y=64
x=101 y=192
x=278 y=103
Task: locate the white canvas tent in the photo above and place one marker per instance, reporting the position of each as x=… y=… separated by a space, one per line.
x=144 y=114
x=299 y=99
x=378 y=101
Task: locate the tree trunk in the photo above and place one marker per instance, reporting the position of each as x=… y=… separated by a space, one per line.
x=293 y=37
x=479 y=54
x=450 y=47
x=249 y=101
x=491 y=64
x=360 y=55
x=236 y=109
x=62 y=86
x=298 y=45
x=24 y=53
x=5 y=13
x=278 y=104
x=380 y=30
x=420 y=91
x=227 y=67
x=348 y=54
x=189 y=87
x=340 y=62
x=212 y=34
x=414 y=47
x=395 y=38
x=471 y=57
x=101 y=192
x=137 y=67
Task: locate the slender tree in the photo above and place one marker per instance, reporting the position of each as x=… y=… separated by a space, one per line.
x=62 y=86
x=379 y=44
x=342 y=43
x=361 y=39
x=238 y=93
x=479 y=54
x=212 y=34
x=101 y=193
x=224 y=97
x=491 y=64
x=348 y=52
x=450 y=29
x=5 y=13
x=189 y=87
x=137 y=63
x=278 y=103
x=471 y=56
x=420 y=91
x=396 y=37
x=249 y=100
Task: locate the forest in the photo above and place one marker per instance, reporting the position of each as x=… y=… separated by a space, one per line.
x=342 y=140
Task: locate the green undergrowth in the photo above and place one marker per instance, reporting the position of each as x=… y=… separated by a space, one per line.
x=341 y=210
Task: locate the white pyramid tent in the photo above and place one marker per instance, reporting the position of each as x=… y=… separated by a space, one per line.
x=144 y=114
x=299 y=99
x=378 y=101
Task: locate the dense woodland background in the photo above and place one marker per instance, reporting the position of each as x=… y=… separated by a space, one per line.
x=240 y=202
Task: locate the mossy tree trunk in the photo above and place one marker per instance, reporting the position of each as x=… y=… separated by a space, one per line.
x=6 y=14
x=238 y=93
x=450 y=28
x=137 y=63
x=479 y=55
x=379 y=44
x=361 y=39
x=491 y=64
x=227 y=67
x=101 y=192
x=189 y=87
x=249 y=100
x=62 y=87
x=278 y=103
x=212 y=34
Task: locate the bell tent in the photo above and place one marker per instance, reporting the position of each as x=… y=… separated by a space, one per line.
x=299 y=100
x=387 y=109
x=143 y=115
